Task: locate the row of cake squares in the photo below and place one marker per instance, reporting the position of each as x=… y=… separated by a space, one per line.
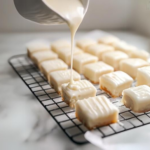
x=46 y=63
x=87 y=64
x=91 y=52
x=107 y=54
x=92 y=71
x=110 y=43
x=67 y=95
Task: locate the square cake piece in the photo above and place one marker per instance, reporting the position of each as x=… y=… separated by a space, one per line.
x=139 y=54
x=77 y=91
x=79 y=61
x=113 y=58
x=131 y=65
x=114 y=83
x=108 y=40
x=137 y=98
x=58 y=78
x=85 y=43
x=55 y=46
x=124 y=47
x=37 y=46
x=95 y=70
x=65 y=54
x=39 y=57
x=99 y=49
x=52 y=65
x=96 y=112
x=143 y=76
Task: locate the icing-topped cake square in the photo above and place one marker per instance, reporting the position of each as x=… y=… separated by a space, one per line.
x=114 y=83
x=56 y=45
x=95 y=70
x=65 y=54
x=131 y=65
x=113 y=58
x=58 y=78
x=108 y=40
x=85 y=43
x=99 y=49
x=143 y=76
x=137 y=98
x=52 y=65
x=39 y=57
x=77 y=91
x=79 y=61
x=96 y=112
x=37 y=46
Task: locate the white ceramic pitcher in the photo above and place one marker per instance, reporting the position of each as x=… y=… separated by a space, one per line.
x=38 y=11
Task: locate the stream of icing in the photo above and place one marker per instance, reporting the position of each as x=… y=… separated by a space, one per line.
x=73 y=12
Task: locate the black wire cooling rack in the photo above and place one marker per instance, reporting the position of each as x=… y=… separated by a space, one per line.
x=62 y=113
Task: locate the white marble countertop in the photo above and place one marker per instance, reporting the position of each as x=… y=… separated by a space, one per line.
x=24 y=124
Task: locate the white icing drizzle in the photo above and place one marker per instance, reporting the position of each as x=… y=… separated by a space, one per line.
x=98 y=105
x=117 y=77
x=73 y=12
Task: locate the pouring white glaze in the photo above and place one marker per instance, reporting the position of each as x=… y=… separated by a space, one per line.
x=73 y=12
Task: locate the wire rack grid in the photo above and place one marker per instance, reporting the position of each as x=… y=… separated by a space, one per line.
x=62 y=113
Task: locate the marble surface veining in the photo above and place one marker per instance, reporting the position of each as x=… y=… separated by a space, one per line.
x=24 y=123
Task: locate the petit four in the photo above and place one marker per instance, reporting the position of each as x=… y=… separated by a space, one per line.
x=79 y=90
x=137 y=98
x=96 y=112
x=95 y=70
x=79 y=61
x=114 y=83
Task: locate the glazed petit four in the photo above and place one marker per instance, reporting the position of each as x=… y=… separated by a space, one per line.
x=79 y=90
x=95 y=70
x=99 y=49
x=114 y=83
x=113 y=58
x=79 y=61
x=65 y=54
x=37 y=46
x=85 y=43
x=131 y=65
x=139 y=54
x=52 y=65
x=124 y=47
x=57 y=78
x=96 y=112
x=108 y=40
x=143 y=76
x=137 y=98
x=39 y=57
x=56 y=45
